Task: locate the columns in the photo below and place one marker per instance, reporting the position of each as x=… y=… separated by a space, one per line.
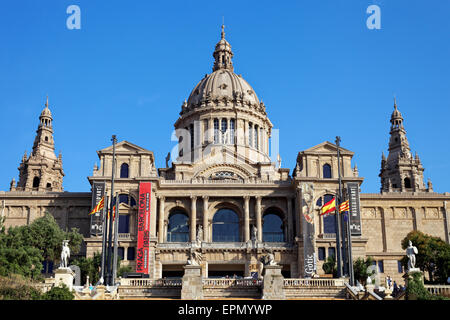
x=298 y=213
x=193 y=218
x=153 y=209
x=161 y=219
x=205 y=219
x=290 y=220
x=246 y=218
x=258 y=217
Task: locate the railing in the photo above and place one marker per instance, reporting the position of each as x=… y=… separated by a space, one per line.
x=124 y=236
x=438 y=290
x=227 y=283
x=151 y=282
x=320 y=283
x=280 y=182
x=329 y=236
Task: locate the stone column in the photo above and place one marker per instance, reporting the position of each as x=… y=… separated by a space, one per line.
x=193 y=218
x=192 y=283
x=290 y=220
x=298 y=213
x=161 y=219
x=246 y=218
x=205 y=219
x=153 y=207
x=258 y=217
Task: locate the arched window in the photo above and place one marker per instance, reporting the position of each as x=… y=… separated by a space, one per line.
x=326 y=170
x=273 y=228
x=124 y=170
x=329 y=222
x=250 y=134
x=225 y=226
x=232 y=131
x=178 y=228
x=407 y=183
x=36 y=182
x=223 y=130
x=49 y=185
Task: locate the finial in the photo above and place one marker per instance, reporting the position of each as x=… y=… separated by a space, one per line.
x=395 y=103
x=223 y=31
x=46 y=103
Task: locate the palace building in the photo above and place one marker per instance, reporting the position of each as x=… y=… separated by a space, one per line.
x=223 y=197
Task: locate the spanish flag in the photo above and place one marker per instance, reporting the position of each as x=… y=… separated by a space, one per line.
x=328 y=207
x=99 y=206
x=343 y=206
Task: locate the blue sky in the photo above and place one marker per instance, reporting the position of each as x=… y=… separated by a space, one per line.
x=318 y=68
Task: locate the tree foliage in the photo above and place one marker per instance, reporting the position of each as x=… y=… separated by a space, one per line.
x=330 y=266
x=24 y=248
x=361 y=269
x=58 y=293
x=16 y=287
x=433 y=255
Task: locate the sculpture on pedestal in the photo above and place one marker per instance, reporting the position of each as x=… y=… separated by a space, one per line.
x=268 y=259
x=411 y=252
x=65 y=254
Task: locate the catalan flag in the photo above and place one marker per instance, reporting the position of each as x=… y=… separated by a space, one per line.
x=328 y=207
x=99 y=206
x=114 y=212
x=343 y=206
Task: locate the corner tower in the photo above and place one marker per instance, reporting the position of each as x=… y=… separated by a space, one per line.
x=400 y=172
x=42 y=170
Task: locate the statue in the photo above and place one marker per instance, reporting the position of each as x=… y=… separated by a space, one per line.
x=254 y=233
x=268 y=259
x=195 y=258
x=279 y=160
x=167 y=160
x=65 y=254
x=199 y=234
x=411 y=252
x=369 y=280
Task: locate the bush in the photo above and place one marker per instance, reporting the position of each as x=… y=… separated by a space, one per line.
x=417 y=291
x=58 y=293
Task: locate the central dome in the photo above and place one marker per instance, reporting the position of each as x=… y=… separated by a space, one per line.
x=223 y=85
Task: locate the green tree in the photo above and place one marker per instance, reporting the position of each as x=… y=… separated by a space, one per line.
x=24 y=248
x=330 y=266
x=16 y=287
x=433 y=255
x=58 y=293
x=361 y=269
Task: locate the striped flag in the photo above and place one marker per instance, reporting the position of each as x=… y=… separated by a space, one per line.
x=328 y=208
x=343 y=206
x=114 y=212
x=99 y=206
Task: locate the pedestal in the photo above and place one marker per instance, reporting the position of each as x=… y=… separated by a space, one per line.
x=408 y=277
x=64 y=276
x=192 y=283
x=273 y=283
x=370 y=287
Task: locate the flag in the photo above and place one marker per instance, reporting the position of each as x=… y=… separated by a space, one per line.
x=114 y=212
x=343 y=206
x=99 y=206
x=328 y=207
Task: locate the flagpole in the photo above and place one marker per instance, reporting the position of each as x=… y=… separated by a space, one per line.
x=338 y=219
x=104 y=231
x=344 y=256
x=116 y=237
x=109 y=273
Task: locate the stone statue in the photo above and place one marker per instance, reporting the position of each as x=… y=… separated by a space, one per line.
x=195 y=258
x=268 y=259
x=167 y=160
x=200 y=234
x=65 y=254
x=254 y=233
x=279 y=160
x=369 y=280
x=411 y=252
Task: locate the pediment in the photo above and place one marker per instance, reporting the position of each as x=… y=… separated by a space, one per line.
x=327 y=147
x=125 y=147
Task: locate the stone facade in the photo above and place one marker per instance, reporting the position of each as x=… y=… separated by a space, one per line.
x=222 y=165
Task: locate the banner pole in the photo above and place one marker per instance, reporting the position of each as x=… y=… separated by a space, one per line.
x=109 y=273
x=338 y=219
x=116 y=238
x=104 y=229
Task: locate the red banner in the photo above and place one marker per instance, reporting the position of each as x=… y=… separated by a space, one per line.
x=143 y=223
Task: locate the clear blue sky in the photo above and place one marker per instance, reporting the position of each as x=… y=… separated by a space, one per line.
x=320 y=71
